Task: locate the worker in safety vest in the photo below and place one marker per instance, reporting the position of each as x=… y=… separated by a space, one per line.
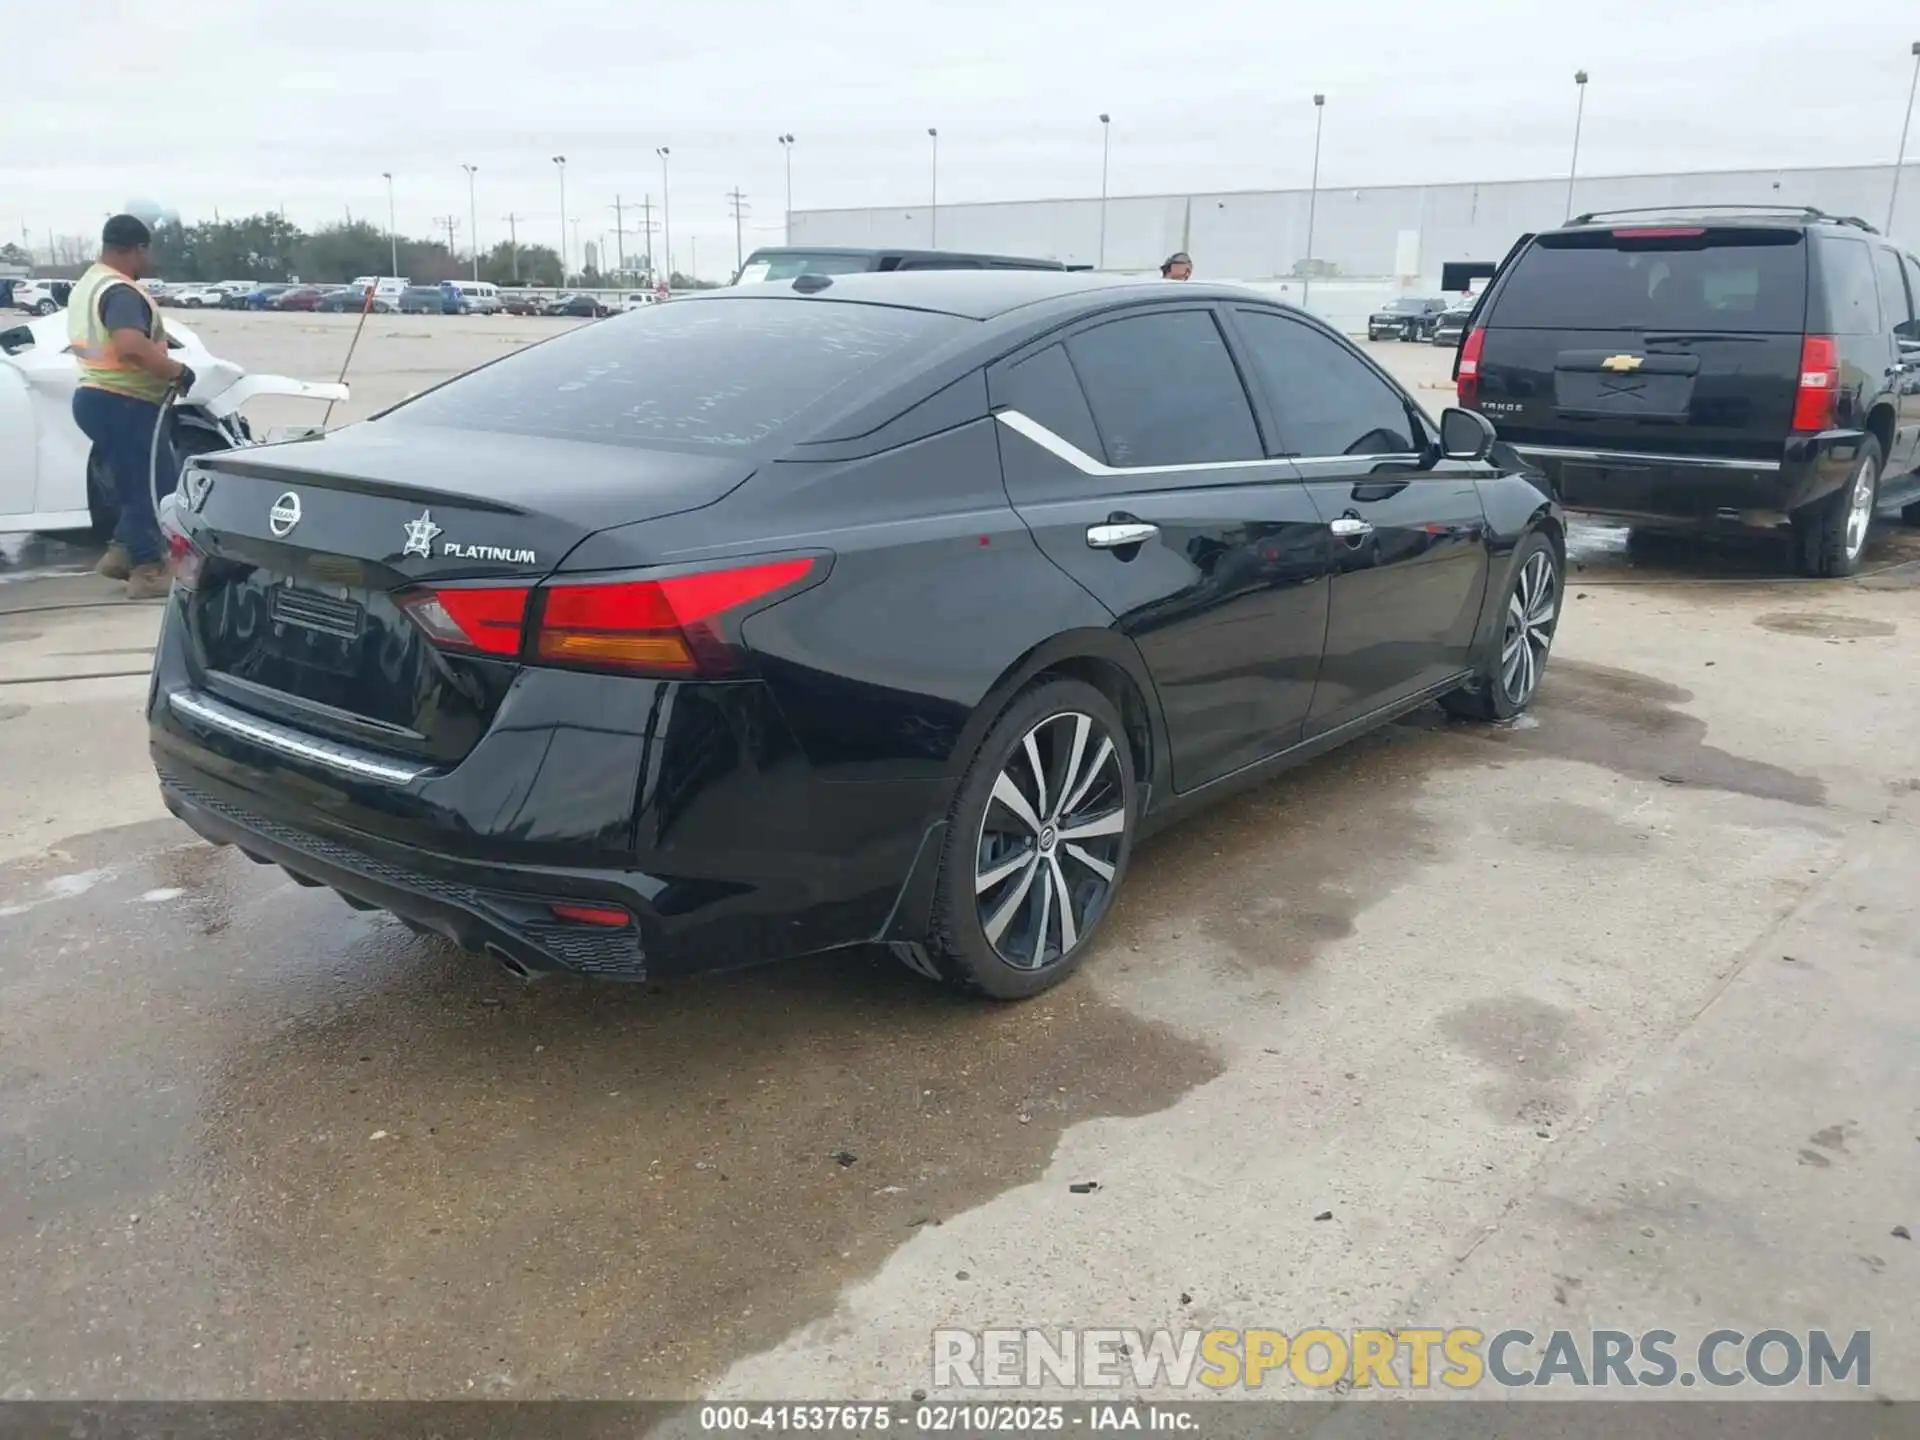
x=114 y=329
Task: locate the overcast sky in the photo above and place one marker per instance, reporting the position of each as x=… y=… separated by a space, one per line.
x=250 y=105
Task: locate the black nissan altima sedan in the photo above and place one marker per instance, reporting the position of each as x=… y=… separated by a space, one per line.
x=874 y=608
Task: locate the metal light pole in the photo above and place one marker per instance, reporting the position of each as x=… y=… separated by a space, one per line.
x=473 y=219
x=1313 y=196
x=1106 y=141
x=560 y=164
x=393 y=230
x=933 y=210
x=1579 y=113
x=1901 y=158
x=786 y=145
x=666 y=213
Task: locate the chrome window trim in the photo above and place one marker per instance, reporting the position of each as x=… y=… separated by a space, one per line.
x=1643 y=457
x=1064 y=449
x=286 y=741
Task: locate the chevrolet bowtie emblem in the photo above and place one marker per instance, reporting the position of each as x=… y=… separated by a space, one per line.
x=1621 y=363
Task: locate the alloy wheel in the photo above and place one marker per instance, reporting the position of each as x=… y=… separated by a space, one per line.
x=1050 y=841
x=1532 y=612
x=1860 y=507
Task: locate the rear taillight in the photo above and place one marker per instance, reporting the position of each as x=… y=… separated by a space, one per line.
x=487 y=621
x=673 y=627
x=1819 y=390
x=185 y=560
x=656 y=627
x=1467 y=377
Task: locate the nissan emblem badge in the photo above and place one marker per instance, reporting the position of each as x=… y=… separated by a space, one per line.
x=284 y=515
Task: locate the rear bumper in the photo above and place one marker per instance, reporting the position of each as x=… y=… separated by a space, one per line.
x=692 y=811
x=1696 y=491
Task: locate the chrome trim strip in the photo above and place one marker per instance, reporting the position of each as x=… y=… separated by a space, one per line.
x=1704 y=462
x=1064 y=449
x=285 y=741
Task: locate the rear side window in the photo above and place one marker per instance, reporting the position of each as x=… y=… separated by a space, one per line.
x=1895 y=307
x=1043 y=387
x=1739 y=281
x=1164 y=391
x=1853 y=302
x=700 y=375
x=1326 y=400
x=1911 y=330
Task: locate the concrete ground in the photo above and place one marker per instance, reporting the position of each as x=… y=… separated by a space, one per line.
x=1610 y=1018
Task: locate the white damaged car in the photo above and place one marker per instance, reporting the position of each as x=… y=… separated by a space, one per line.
x=49 y=476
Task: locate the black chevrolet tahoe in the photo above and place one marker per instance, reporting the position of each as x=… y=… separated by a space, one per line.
x=1746 y=367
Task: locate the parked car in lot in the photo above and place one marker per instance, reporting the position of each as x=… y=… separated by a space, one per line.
x=585 y=307
x=261 y=297
x=471 y=297
x=1734 y=366
x=636 y=689
x=197 y=297
x=41 y=297
x=351 y=298
x=517 y=302
x=1411 y=317
x=300 y=297
x=638 y=300
x=1450 y=326
x=51 y=477
x=422 y=300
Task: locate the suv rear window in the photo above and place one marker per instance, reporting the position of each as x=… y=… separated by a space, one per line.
x=701 y=374
x=1725 y=279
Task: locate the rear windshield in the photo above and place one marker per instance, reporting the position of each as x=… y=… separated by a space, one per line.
x=701 y=374
x=1743 y=281
x=792 y=263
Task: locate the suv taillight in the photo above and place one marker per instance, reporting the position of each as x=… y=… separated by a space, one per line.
x=675 y=627
x=1466 y=378
x=1819 y=390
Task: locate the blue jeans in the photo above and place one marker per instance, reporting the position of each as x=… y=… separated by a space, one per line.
x=121 y=429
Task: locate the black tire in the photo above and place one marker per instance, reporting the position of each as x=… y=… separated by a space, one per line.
x=45 y=307
x=986 y=836
x=1829 y=538
x=1912 y=513
x=1508 y=678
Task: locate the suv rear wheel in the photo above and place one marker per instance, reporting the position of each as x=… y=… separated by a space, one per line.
x=1829 y=538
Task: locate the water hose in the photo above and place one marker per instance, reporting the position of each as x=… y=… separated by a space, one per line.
x=153 y=449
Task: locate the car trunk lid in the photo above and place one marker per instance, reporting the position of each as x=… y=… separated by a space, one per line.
x=311 y=547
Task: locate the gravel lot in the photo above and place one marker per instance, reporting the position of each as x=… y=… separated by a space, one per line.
x=1608 y=1018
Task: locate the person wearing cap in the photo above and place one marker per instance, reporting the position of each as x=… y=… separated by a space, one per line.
x=1177 y=266
x=115 y=331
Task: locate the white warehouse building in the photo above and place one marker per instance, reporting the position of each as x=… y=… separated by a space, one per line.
x=1367 y=242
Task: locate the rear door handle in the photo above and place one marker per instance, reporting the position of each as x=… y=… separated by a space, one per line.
x=1351 y=527
x=1118 y=536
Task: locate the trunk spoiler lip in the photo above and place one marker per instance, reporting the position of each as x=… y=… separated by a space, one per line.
x=242 y=462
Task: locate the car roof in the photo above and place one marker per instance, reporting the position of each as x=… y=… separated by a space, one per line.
x=973 y=294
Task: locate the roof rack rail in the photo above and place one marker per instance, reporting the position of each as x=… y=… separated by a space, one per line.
x=1808 y=211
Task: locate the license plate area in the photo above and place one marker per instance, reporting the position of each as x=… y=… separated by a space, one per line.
x=332 y=612
x=1639 y=397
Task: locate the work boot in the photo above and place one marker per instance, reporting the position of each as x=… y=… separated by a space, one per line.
x=148 y=582
x=116 y=564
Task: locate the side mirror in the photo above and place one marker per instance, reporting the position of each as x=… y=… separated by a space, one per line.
x=1465 y=435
